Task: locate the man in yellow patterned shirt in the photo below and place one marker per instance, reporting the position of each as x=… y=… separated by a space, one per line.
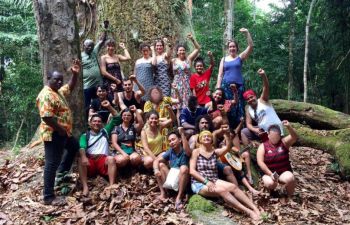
x=56 y=129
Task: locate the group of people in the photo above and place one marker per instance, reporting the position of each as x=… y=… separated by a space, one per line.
x=178 y=128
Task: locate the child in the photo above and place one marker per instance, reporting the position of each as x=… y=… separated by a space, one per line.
x=199 y=82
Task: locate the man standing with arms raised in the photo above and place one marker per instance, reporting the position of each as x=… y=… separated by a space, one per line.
x=56 y=129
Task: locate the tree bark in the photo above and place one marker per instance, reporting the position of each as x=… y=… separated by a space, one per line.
x=290 y=49
x=316 y=116
x=307 y=27
x=58 y=45
x=229 y=11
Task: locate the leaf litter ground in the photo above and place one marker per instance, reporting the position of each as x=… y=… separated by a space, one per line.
x=321 y=197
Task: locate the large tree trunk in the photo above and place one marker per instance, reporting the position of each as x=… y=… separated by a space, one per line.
x=59 y=44
x=316 y=116
x=290 y=49
x=229 y=11
x=307 y=27
x=135 y=21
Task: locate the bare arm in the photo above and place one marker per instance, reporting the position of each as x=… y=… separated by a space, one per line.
x=195 y=52
x=228 y=143
x=260 y=158
x=220 y=73
x=50 y=121
x=139 y=121
x=75 y=69
x=292 y=137
x=105 y=73
x=245 y=54
x=185 y=144
x=141 y=92
x=266 y=88
x=211 y=57
x=169 y=50
x=154 y=56
x=110 y=108
x=145 y=144
x=249 y=123
x=121 y=102
x=126 y=55
x=193 y=164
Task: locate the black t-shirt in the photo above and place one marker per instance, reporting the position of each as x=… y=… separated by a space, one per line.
x=98 y=108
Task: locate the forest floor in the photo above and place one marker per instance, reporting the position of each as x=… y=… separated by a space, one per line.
x=321 y=197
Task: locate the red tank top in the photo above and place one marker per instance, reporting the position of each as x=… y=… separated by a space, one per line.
x=276 y=157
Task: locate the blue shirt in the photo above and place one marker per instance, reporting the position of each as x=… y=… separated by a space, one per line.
x=190 y=117
x=233 y=71
x=178 y=160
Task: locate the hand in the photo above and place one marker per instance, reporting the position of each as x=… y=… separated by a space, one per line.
x=76 y=65
x=190 y=36
x=241 y=119
x=233 y=87
x=132 y=77
x=257 y=130
x=221 y=107
x=210 y=54
x=225 y=128
x=286 y=123
x=132 y=108
x=152 y=48
x=105 y=103
x=181 y=130
x=244 y=30
x=211 y=186
x=167 y=106
x=85 y=161
x=261 y=72
x=122 y=45
x=274 y=177
x=165 y=40
x=113 y=87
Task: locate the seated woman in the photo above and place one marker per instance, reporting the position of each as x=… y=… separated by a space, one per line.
x=124 y=137
x=205 y=179
x=97 y=107
x=219 y=103
x=177 y=156
x=160 y=103
x=273 y=158
x=152 y=138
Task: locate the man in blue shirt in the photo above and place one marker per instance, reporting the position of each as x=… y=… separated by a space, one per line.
x=177 y=157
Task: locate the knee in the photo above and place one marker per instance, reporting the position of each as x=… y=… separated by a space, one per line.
x=269 y=183
x=228 y=171
x=135 y=159
x=246 y=155
x=184 y=170
x=148 y=162
x=110 y=160
x=289 y=177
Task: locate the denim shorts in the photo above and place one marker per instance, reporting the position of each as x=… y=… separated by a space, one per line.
x=196 y=186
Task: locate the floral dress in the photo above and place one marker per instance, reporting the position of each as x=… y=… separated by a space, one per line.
x=182 y=73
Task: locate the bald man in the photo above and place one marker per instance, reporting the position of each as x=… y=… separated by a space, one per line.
x=91 y=68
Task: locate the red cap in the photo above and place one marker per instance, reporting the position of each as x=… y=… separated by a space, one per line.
x=248 y=93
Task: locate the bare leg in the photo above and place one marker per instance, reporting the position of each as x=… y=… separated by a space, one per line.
x=230 y=177
x=183 y=179
x=161 y=179
x=121 y=160
x=250 y=188
x=269 y=183
x=148 y=162
x=83 y=177
x=239 y=194
x=287 y=178
x=244 y=138
x=135 y=159
x=246 y=156
x=112 y=169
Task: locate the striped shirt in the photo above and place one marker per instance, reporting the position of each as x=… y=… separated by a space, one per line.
x=276 y=157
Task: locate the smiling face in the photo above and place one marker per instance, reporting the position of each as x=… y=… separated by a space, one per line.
x=111 y=48
x=96 y=124
x=159 y=47
x=232 y=48
x=101 y=93
x=199 y=67
x=174 y=141
x=206 y=139
x=55 y=81
x=153 y=120
x=217 y=95
x=126 y=117
x=252 y=101
x=181 y=53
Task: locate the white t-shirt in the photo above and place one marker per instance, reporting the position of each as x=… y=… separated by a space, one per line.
x=101 y=147
x=266 y=116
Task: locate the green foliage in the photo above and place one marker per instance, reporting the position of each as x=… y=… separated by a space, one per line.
x=18 y=42
x=197 y=202
x=328 y=76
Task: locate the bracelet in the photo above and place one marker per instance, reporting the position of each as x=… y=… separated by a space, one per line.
x=205 y=181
